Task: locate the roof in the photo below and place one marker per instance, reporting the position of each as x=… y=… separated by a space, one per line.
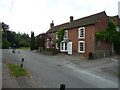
x=89 y=20
x=56 y=28
x=115 y=19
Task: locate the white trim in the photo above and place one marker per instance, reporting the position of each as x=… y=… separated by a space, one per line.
x=48 y=44
x=66 y=34
x=56 y=35
x=52 y=36
x=57 y=46
x=63 y=47
x=79 y=32
x=83 y=46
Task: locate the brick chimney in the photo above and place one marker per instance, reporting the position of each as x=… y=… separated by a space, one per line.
x=52 y=24
x=71 y=18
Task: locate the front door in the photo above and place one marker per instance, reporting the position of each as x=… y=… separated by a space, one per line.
x=70 y=48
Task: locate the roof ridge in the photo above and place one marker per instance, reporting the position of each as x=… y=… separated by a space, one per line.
x=90 y=15
x=60 y=25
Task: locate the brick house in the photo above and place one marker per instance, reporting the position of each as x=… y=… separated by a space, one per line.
x=79 y=36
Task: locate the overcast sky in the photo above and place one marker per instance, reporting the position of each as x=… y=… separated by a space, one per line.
x=36 y=15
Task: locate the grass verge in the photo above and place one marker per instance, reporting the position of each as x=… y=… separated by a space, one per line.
x=24 y=48
x=16 y=71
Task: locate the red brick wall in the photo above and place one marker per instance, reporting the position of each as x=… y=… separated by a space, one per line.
x=54 y=39
x=101 y=25
x=89 y=40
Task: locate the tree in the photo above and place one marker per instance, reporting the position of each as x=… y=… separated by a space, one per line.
x=32 y=42
x=110 y=35
x=60 y=36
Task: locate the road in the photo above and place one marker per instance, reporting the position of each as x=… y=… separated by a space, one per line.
x=50 y=72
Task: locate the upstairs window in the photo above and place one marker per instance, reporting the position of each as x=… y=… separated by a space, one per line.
x=56 y=35
x=65 y=34
x=118 y=29
x=52 y=36
x=81 y=33
x=48 y=37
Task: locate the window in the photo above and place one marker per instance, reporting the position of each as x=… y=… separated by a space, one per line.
x=65 y=34
x=48 y=37
x=47 y=44
x=81 y=33
x=56 y=35
x=52 y=36
x=118 y=29
x=57 y=46
x=81 y=46
x=63 y=46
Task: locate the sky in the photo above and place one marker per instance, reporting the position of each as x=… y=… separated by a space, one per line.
x=25 y=16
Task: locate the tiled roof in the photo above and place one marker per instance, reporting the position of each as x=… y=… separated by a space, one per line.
x=89 y=20
x=56 y=28
x=116 y=19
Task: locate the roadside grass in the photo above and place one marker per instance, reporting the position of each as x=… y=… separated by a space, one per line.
x=24 y=48
x=16 y=70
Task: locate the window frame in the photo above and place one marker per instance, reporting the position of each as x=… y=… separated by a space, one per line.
x=56 y=35
x=79 y=33
x=48 y=44
x=83 y=46
x=57 y=46
x=52 y=36
x=66 y=34
x=63 y=43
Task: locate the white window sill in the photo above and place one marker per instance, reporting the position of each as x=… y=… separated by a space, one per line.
x=64 y=50
x=81 y=51
x=81 y=37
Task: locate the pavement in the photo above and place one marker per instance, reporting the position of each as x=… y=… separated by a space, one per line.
x=108 y=65
x=62 y=67
x=9 y=81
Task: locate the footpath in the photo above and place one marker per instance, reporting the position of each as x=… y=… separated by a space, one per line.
x=108 y=65
x=9 y=81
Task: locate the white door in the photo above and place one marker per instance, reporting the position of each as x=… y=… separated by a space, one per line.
x=70 y=48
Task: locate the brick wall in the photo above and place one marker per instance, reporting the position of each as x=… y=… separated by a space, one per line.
x=101 y=48
x=89 y=40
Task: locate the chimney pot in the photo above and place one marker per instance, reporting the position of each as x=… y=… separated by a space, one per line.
x=52 y=24
x=71 y=18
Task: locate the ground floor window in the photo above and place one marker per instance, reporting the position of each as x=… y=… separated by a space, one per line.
x=57 y=47
x=81 y=46
x=48 y=44
x=63 y=46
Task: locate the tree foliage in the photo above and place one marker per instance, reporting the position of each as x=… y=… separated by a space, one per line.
x=9 y=38
x=110 y=35
x=40 y=40
x=60 y=36
x=32 y=42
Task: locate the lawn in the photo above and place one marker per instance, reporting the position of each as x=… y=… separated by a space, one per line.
x=24 y=48
x=16 y=70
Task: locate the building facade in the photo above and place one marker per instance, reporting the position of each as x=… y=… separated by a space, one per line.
x=79 y=36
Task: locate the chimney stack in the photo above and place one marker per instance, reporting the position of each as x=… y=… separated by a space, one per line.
x=71 y=18
x=52 y=24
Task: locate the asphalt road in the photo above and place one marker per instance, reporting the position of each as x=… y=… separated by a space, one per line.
x=50 y=72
